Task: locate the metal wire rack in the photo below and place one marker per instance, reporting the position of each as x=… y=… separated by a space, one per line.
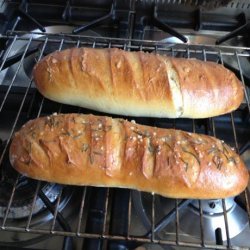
x=31 y=105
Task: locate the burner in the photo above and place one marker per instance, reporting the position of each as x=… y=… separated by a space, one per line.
x=213 y=218
x=208 y=39
x=22 y=203
x=24 y=74
x=24 y=194
x=189 y=217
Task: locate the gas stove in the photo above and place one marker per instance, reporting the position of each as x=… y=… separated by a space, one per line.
x=42 y=215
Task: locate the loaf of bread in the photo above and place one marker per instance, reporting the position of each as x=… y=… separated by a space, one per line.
x=92 y=150
x=138 y=83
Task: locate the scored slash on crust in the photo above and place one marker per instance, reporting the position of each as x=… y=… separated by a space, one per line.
x=175 y=89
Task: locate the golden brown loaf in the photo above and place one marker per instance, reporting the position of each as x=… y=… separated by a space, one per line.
x=101 y=151
x=138 y=83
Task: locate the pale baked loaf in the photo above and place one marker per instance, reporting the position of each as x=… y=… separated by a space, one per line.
x=100 y=151
x=138 y=83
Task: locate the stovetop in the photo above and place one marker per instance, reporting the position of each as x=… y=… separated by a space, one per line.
x=127 y=19
x=49 y=216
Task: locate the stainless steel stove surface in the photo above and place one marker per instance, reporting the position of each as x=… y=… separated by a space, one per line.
x=41 y=215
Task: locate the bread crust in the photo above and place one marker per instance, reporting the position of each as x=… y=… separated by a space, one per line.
x=138 y=83
x=78 y=149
